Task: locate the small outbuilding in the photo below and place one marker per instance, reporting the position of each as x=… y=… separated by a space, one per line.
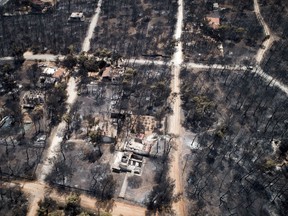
x=106 y=75
x=59 y=73
x=213 y=19
x=215 y=6
x=76 y=17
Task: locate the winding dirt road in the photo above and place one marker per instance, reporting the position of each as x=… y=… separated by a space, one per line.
x=267 y=43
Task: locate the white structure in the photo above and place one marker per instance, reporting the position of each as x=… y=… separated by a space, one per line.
x=49 y=71
x=128 y=162
x=215 y=6
x=76 y=17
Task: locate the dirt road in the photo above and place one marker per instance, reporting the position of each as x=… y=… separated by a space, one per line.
x=267 y=43
x=175 y=128
x=56 y=138
x=51 y=154
x=269 y=79
x=174 y=120
x=87 y=42
x=36 y=190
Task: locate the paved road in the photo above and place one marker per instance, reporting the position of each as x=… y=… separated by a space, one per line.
x=48 y=57
x=42 y=57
